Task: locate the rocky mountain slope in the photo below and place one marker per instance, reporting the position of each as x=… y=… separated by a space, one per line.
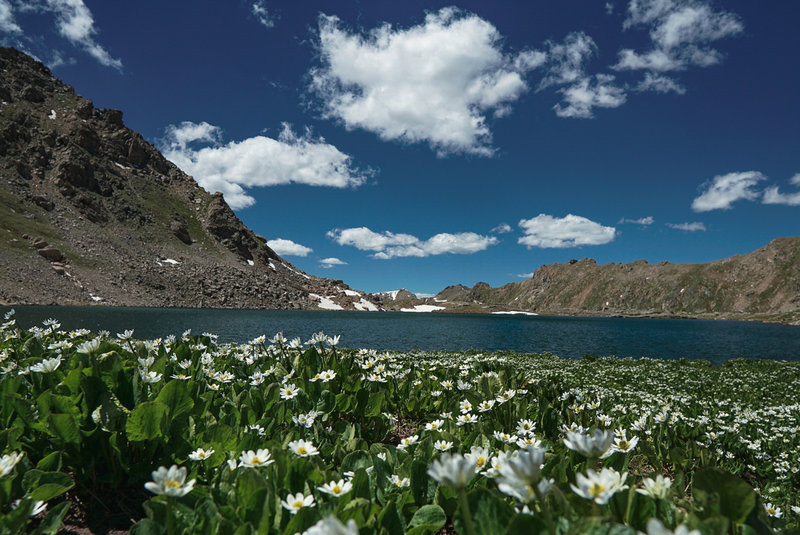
x=764 y=284
x=90 y=212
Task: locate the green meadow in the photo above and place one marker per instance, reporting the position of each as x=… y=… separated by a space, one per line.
x=280 y=436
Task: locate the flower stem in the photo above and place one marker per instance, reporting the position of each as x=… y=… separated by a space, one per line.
x=467 y=515
x=170 y=518
x=548 y=518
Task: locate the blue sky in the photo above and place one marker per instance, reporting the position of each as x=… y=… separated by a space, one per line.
x=420 y=144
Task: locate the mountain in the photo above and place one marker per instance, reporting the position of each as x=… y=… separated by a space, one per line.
x=90 y=212
x=764 y=284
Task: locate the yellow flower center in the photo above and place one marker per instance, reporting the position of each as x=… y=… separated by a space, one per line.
x=298 y=504
x=302 y=450
x=337 y=489
x=171 y=484
x=596 y=489
x=481 y=461
x=255 y=460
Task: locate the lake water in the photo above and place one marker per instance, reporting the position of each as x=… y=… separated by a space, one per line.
x=570 y=337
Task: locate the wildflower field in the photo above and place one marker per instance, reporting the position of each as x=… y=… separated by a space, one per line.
x=285 y=436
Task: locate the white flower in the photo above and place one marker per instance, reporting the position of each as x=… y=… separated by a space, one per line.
x=150 y=376
x=465 y=406
x=599 y=486
x=89 y=347
x=773 y=510
x=655 y=527
x=200 y=454
x=657 y=488
x=171 y=482
x=38 y=506
x=529 y=442
x=9 y=461
x=295 y=502
x=442 y=445
x=336 y=488
x=434 y=425
x=408 y=441
x=306 y=420
x=47 y=365
x=333 y=526
x=255 y=459
x=525 y=427
x=466 y=418
x=505 y=396
x=622 y=445
x=453 y=470
x=486 y=405
x=594 y=445
x=397 y=481
x=480 y=456
x=303 y=448
x=523 y=465
x=289 y=391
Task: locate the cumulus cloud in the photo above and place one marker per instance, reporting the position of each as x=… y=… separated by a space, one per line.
x=259 y=10
x=566 y=67
x=387 y=244
x=546 y=231
x=435 y=82
x=525 y=275
x=688 y=227
x=773 y=196
x=679 y=32
x=328 y=263
x=724 y=190
x=659 y=84
x=502 y=228
x=644 y=221
x=288 y=247
x=75 y=22
x=7 y=22
x=257 y=161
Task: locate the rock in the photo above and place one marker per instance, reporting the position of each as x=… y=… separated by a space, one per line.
x=114 y=117
x=39 y=243
x=180 y=231
x=85 y=109
x=87 y=138
x=32 y=94
x=44 y=202
x=52 y=254
x=137 y=152
x=58 y=268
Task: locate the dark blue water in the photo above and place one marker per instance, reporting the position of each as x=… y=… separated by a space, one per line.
x=572 y=337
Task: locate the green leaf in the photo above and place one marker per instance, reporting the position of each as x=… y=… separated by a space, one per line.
x=304 y=519
x=147 y=421
x=724 y=492
x=65 y=427
x=145 y=527
x=51 y=523
x=490 y=513
x=50 y=462
x=374 y=404
x=110 y=415
x=422 y=487
x=431 y=517
x=44 y=486
x=390 y=520
x=526 y=525
x=175 y=395
x=356 y=460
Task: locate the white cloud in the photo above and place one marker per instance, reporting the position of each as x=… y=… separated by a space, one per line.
x=679 y=30
x=328 y=263
x=288 y=247
x=724 y=190
x=566 y=67
x=75 y=22
x=773 y=196
x=257 y=161
x=525 y=275
x=7 y=22
x=688 y=227
x=389 y=245
x=259 y=10
x=641 y=221
x=588 y=93
x=570 y=231
x=434 y=82
x=502 y=228
x=660 y=84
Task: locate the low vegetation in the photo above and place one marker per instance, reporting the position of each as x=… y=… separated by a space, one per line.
x=284 y=436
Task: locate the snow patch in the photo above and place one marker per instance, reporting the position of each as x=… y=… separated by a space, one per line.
x=251 y=263
x=95 y=298
x=167 y=261
x=295 y=271
x=439 y=300
x=325 y=302
x=352 y=293
x=365 y=305
x=422 y=308
x=272 y=266
x=52 y=114
x=121 y=166
x=516 y=312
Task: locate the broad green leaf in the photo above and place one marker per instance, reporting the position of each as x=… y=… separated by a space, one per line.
x=175 y=395
x=428 y=516
x=374 y=404
x=65 y=427
x=390 y=520
x=490 y=513
x=45 y=486
x=51 y=523
x=146 y=421
x=721 y=491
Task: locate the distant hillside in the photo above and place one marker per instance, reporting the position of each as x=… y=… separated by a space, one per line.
x=92 y=213
x=762 y=284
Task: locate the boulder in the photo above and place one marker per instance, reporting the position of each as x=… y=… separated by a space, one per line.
x=39 y=243
x=180 y=231
x=52 y=254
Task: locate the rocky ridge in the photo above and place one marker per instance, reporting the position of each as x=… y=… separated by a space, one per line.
x=91 y=213
x=763 y=284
